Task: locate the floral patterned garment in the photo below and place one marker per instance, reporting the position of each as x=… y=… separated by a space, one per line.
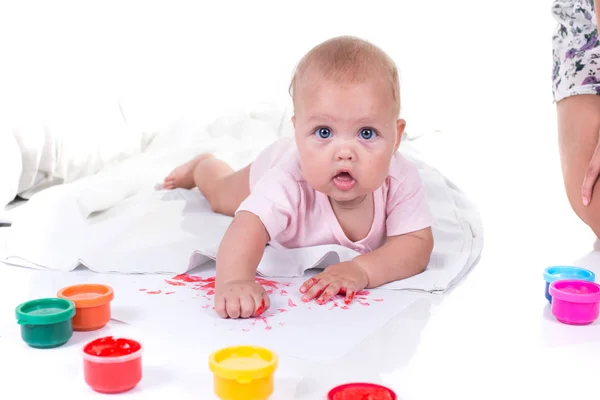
x=576 y=50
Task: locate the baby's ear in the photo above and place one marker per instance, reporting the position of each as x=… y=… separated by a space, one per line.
x=400 y=125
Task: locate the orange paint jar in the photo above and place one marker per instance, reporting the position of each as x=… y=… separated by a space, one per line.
x=92 y=305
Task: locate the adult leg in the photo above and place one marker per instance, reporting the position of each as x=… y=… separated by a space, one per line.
x=578 y=130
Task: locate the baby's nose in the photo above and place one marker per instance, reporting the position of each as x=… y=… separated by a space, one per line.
x=344 y=156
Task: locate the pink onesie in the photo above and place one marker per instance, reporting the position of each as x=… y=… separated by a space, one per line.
x=295 y=215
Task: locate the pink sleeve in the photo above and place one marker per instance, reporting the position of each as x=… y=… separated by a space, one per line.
x=274 y=199
x=407 y=208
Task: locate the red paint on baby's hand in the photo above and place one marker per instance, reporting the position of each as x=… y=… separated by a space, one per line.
x=308 y=284
x=261 y=309
x=349 y=298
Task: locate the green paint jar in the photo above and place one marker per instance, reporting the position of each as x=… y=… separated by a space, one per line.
x=46 y=323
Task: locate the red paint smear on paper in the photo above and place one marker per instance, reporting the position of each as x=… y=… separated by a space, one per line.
x=155 y=292
x=281 y=323
x=191 y=278
x=291 y=303
x=172 y=283
x=364 y=303
x=261 y=309
x=281 y=310
x=169 y=292
x=283 y=292
x=142 y=290
x=263 y=319
x=377 y=299
x=363 y=293
x=245 y=329
x=345 y=308
x=206 y=306
x=207 y=285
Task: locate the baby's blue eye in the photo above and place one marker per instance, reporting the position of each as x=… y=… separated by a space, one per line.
x=367 y=134
x=323 y=133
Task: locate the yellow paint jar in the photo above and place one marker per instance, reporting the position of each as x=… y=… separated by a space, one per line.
x=243 y=372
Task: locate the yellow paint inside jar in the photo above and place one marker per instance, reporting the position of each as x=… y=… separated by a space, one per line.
x=243 y=372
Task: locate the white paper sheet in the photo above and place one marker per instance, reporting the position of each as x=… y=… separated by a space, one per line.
x=184 y=312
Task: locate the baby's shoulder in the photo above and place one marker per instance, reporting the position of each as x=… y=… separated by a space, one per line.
x=402 y=170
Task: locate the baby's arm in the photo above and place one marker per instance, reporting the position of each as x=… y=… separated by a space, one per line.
x=241 y=249
x=400 y=257
x=237 y=292
x=265 y=214
x=597 y=8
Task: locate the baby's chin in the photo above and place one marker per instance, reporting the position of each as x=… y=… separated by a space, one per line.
x=349 y=198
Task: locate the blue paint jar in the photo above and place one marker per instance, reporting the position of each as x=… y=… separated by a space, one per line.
x=563 y=272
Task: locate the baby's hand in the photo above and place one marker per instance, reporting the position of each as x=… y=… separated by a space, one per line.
x=241 y=299
x=345 y=278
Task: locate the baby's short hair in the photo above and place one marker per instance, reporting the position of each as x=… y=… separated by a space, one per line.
x=347 y=59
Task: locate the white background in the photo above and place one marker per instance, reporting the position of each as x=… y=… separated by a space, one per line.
x=476 y=80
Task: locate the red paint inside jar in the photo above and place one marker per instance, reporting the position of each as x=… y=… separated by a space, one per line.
x=361 y=392
x=108 y=374
x=111 y=347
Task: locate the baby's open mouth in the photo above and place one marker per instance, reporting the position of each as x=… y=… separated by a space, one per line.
x=344 y=181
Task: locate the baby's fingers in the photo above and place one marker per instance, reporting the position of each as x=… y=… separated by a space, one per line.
x=247 y=305
x=309 y=283
x=232 y=304
x=331 y=290
x=220 y=307
x=315 y=290
x=350 y=290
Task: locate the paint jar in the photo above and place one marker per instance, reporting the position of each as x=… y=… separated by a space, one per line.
x=46 y=323
x=243 y=372
x=560 y=272
x=92 y=305
x=358 y=391
x=112 y=365
x=575 y=302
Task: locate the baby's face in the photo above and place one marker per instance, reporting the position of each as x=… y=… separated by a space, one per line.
x=346 y=135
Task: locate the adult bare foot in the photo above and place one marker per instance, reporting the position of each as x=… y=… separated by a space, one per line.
x=183 y=176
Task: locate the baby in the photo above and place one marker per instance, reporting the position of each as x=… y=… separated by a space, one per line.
x=339 y=181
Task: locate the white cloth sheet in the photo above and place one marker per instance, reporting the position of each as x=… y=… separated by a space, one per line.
x=117 y=220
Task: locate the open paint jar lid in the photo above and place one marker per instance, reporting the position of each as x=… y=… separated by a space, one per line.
x=87 y=294
x=45 y=311
x=559 y=272
x=360 y=391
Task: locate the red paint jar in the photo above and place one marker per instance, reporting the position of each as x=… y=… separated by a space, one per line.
x=112 y=365
x=360 y=391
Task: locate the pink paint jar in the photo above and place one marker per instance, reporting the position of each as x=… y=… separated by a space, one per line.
x=575 y=302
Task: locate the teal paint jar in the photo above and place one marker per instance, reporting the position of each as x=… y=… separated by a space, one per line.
x=46 y=323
